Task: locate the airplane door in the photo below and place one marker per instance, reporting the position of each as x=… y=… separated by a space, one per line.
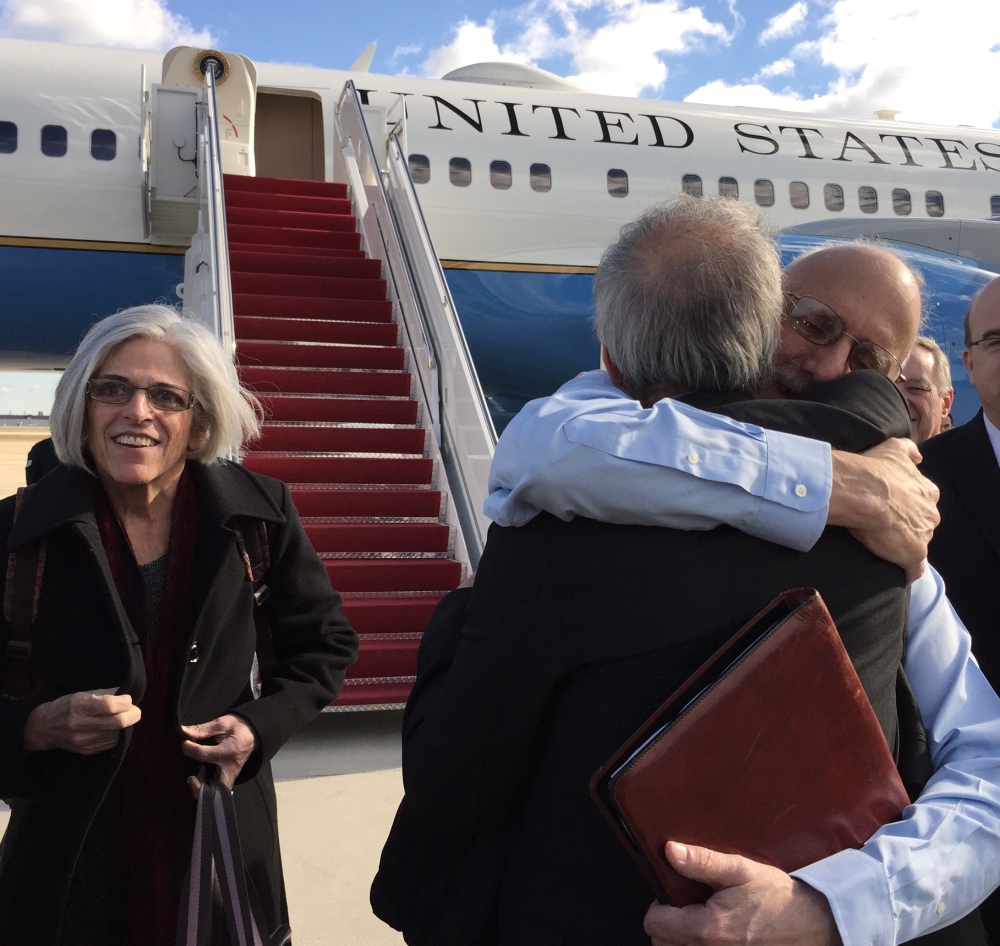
x=289 y=136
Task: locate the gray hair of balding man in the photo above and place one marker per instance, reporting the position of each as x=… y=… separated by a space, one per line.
x=942 y=370
x=690 y=297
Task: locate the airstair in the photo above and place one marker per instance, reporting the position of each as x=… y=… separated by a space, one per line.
x=344 y=327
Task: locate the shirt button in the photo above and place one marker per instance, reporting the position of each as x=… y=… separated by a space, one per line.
x=800 y=490
x=693 y=457
x=940 y=909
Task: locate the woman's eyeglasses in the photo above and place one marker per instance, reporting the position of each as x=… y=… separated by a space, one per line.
x=163 y=397
x=816 y=322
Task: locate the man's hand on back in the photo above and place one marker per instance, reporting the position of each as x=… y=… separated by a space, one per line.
x=886 y=503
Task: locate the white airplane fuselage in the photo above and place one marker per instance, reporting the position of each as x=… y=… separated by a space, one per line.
x=522 y=188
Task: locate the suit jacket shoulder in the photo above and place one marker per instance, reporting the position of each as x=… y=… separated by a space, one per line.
x=854 y=412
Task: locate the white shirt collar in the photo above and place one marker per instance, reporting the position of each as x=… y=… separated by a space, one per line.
x=994 y=436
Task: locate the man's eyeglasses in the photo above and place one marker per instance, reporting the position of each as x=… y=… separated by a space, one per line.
x=816 y=322
x=990 y=343
x=164 y=397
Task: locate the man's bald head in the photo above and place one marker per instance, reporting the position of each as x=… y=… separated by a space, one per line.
x=982 y=348
x=874 y=292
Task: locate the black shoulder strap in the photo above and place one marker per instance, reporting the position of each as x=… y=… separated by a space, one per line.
x=252 y=543
x=25 y=568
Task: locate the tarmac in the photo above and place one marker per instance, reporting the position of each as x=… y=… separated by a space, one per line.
x=338 y=784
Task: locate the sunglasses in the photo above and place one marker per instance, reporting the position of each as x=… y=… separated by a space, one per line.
x=163 y=397
x=816 y=322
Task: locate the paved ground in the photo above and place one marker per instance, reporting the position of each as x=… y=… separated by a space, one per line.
x=338 y=787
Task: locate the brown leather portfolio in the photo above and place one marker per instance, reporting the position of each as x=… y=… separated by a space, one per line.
x=770 y=750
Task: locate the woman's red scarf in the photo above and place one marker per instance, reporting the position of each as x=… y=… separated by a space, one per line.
x=158 y=814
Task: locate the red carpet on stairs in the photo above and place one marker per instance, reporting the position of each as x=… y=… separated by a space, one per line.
x=317 y=342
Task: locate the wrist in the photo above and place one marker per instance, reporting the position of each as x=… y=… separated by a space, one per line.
x=852 y=504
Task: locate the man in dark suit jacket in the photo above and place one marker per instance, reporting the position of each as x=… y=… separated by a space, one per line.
x=578 y=630
x=963 y=462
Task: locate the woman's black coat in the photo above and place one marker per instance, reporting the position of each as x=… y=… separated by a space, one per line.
x=84 y=641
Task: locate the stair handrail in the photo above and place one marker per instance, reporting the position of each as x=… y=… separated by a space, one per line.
x=390 y=212
x=209 y=267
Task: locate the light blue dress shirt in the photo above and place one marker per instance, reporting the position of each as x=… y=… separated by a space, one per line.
x=694 y=470
x=591 y=450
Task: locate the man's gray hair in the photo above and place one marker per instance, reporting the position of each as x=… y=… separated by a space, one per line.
x=941 y=372
x=690 y=297
x=226 y=412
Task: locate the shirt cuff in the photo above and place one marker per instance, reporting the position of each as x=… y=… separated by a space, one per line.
x=857 y=890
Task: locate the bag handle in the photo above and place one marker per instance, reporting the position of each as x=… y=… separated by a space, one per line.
x=216 y=857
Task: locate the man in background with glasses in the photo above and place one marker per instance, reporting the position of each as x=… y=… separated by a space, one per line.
x=926 y=385
x=965 y=464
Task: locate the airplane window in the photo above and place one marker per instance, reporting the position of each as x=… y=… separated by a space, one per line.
x=103 y=144
x=798 y=194
x=460 y=172
x=833 y=196
x=935 y=204
x=868 y=200
x=617 y=183
x=901 y=201
x=8 y=137
x=420 y=168
x=541 y=178
x=53 y=141
x=729 y=188
x=691 y=184
x=763 y=193
x=500 y=175
x=994 y=200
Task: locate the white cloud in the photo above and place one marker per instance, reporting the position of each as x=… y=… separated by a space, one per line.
x=934 y=60
x=622 y=55
x=136 y=24
x=785 y=24
x=781 y=67
x=472 y=43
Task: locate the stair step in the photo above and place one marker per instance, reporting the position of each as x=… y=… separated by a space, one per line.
x=310 y=468
x=282 y=185
x=358 y=537
x=324 y=252
x=374 y=692
x=247 y=233
x=302 y=307
x=290 y=220
x=259 y=328
x=326 y=287
x=300 y=203
x=395 y=614
x=321 y=381
x=384 y=657
x=329 y=438
x=393 y=574
x=344 y=410
x=288 y=354
x=332 y=501
x=247 y=261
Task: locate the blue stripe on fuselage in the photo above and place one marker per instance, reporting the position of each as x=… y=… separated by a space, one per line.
x=50 y=297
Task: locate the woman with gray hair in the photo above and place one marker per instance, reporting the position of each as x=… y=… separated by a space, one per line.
x=144 y=638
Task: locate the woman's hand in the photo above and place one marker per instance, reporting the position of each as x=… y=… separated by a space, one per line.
x=226 y=742
x=88 y=722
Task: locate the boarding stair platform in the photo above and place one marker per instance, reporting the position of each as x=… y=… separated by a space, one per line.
x=316 y=340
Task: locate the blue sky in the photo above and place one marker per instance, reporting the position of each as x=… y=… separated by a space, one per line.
x=932 y=60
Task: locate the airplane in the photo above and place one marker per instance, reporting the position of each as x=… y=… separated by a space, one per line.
x=523 y=179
